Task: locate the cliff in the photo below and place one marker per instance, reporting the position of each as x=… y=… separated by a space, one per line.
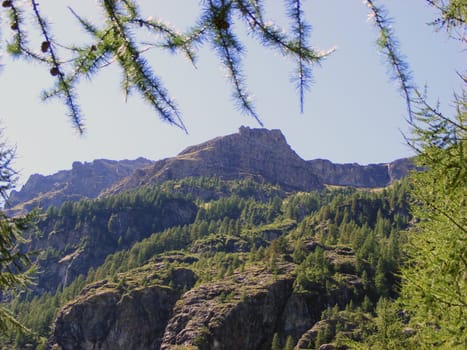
x=71 y=241
x=356 y=175
x=241 y=311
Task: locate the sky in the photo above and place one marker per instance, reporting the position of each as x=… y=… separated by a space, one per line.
x=353 y=111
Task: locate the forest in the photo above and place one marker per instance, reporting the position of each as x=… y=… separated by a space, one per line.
x=339 y=239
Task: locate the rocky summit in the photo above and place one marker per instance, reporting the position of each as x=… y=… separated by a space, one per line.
x=260 y=154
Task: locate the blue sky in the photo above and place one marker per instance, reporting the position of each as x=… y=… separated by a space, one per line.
x=353 y=112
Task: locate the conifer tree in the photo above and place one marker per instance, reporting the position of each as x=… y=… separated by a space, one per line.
x=289 y=343
x=433 y=283
x=433 y=280
x=15 y=267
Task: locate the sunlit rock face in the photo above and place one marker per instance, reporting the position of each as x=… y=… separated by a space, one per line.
x=259 y=154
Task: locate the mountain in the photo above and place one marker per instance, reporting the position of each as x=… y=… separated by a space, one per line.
x=243 y=311
x=259 y=154
x=236 y=243
x=84 y=180
x=301 y=282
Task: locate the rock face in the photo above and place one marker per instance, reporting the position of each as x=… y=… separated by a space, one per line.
x=240 y=311
x=113 y=320
x=84 y=180
x=356 y=175
x=252 y=153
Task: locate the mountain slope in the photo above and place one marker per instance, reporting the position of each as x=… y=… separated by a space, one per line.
x=157 y=268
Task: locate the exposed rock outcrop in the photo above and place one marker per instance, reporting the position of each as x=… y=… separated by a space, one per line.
x=110 y=318
x=252 y=153
x=240 y=311
x=84 y=180
x=69 y=250
x=356 y=175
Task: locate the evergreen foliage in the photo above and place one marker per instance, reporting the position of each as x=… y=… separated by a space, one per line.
x=15 y=267
x=224 y=240
x=434 y=281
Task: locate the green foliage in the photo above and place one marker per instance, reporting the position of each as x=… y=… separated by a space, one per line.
x=371 y=223
x=389 y=46
x=386 y=331
x=433 y=277
x=208 y=189
x=119 y=221
x=15 y=267
x=452 y=17
x=223 y=241
x=313 y=272
x=201 y=337
x=229 y=207
x=289 y=344
x=302 y=204
x=434 y=283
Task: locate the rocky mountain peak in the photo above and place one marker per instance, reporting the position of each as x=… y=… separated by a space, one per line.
x=262 y=138
x=260 y=154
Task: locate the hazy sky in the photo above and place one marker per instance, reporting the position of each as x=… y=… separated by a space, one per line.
x=353 y=112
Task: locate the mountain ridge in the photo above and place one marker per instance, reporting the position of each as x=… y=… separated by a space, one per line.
x=260 y=154
x=83 y=180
